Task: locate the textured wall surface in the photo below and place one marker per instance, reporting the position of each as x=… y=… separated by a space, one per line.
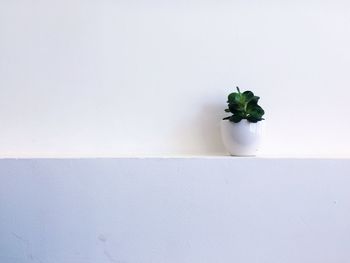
x=108 y=78
x=205 y=210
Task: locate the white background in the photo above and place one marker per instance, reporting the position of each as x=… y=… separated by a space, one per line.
x=111 y=78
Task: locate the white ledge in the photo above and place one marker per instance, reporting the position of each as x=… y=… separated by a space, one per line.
x=175 y=209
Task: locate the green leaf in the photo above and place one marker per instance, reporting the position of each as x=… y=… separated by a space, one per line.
x=247 y=95
x=255 y=111
x=259 y=110
x=254 y=99
x=227 y=110
x=226 y=118
x=235 y=107
x=236 y=118
x=233 y=97
x=254 y=119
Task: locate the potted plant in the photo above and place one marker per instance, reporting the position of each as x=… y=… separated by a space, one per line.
x=241 y=132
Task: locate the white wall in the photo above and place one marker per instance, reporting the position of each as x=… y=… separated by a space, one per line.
x=214 y=210
x=151 y=77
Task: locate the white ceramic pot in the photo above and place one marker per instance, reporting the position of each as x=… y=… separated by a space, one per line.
x=242 y=138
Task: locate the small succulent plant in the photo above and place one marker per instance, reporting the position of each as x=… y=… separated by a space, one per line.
x=244 y=105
